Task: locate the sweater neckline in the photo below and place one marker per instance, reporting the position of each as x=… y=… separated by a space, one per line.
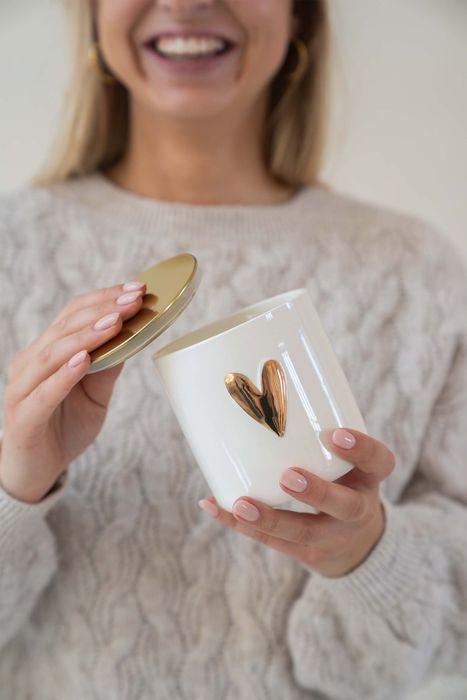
x=132 y=198
x=244 y=221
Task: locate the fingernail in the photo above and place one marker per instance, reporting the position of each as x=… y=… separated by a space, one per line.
x=128 y=286
x=343 y=438
x=128 y=298
x=293 y=480
x=246 y=510
x=209 y=507
x=77 y=359
x=106 y=321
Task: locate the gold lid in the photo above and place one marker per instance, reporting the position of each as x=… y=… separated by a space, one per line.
x=171 y=285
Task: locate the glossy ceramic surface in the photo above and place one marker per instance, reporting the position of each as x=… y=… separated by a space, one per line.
x=236 y=453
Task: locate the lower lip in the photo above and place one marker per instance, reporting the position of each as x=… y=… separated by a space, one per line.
x=191 y=66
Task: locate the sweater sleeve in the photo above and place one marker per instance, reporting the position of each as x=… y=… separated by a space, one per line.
x=27 y=557
x=401 y=616
x=27 y=548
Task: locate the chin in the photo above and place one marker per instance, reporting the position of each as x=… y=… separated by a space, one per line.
x=189 y=104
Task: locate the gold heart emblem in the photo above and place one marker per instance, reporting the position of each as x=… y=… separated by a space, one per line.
x=268 y=407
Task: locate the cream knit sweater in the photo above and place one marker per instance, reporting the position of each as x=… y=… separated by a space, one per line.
x=117 y=586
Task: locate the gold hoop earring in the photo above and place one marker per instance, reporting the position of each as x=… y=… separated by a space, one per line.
x=98 y=66
x=302 y=62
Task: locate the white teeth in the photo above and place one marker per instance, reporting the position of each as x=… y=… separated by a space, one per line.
x=191 y=46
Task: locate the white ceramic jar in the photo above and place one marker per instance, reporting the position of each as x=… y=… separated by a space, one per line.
x=257 y=392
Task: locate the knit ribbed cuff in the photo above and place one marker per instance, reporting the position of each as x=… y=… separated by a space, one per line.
x=388 y=572
x=15 y=513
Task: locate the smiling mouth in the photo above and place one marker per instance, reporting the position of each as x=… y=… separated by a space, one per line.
x=178 y=48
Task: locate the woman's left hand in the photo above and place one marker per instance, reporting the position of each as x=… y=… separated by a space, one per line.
x=351 y=518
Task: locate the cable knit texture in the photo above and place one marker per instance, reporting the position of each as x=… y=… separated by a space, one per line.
x=117 y=586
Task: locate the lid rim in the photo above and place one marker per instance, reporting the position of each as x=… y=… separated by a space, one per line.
x=159 y=280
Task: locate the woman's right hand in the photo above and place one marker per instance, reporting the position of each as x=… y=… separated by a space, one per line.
x=54 y=411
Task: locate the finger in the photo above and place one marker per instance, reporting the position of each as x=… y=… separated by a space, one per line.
x=96 y=296
x=33 y=414
x=300 y=552
x=302 y=528
x=336 y=500
x=76 y=316
x=53 y=356
x=27 y=372
x=86 y=317
x=373 y=460
x=98 y=386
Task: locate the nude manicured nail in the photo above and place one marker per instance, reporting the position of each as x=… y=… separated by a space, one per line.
x=77 y=359
x=128 y=298
x=293 y=480
x=129 y=286
x=106 y=321
x=246 y=510
x=342 y=438
x=209 y=507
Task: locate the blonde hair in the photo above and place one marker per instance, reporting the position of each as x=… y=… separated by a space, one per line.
x=94 y=127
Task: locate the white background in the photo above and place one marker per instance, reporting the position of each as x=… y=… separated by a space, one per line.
x=398 y=131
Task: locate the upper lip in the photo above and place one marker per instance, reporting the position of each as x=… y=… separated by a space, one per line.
x=187 y=31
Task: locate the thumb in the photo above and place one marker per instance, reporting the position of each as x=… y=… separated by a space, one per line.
x=99 y=385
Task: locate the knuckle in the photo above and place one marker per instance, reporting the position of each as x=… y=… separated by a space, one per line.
x=370 y=452
x=273 y=521
x=69 y=307
x=62 y=323
x=104 y=295
x=356 y=509
x=80 y=339
x=102 y=307
x=305 y=535
x=320 y=491
x=370 y=455
x=45 y=354
x=74 y=304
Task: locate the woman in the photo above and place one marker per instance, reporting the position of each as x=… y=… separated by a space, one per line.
x=114 y=584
